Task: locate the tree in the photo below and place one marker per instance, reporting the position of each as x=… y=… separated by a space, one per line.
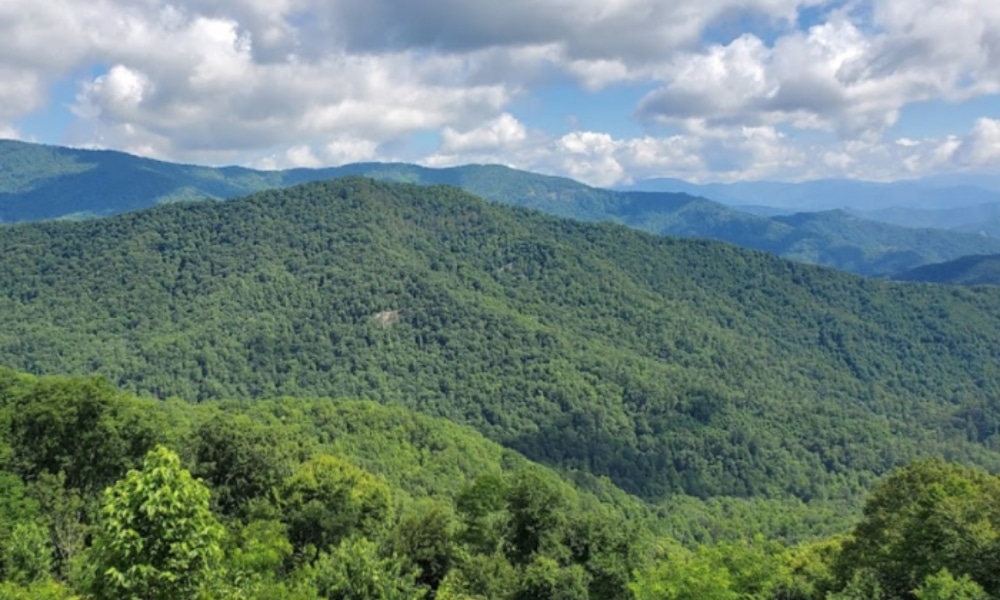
x=943 y=586
x=537 y=510
x=80 y=427
x=928 y=516
x=544 y=578
x=241 y=460
x=355 y=571
x=684 y=575
x=426 y=539
x=28 y=556
x=157 y=538
x=327 y=499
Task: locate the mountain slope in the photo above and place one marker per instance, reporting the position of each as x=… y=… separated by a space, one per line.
x=667 y=365
x=968 y=270
x=39 y=182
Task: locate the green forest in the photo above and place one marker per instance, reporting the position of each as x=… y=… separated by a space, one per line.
x=667 y=366
x=359 y=389
x=110 y=496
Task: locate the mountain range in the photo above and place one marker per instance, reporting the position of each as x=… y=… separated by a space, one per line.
x=969 y=204
x=45 y=182
x=667 y=366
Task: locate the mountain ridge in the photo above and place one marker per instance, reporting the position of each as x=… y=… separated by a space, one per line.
x=669 y=366
x=129 y=183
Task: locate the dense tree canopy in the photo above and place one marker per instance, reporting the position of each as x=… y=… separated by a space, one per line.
x=667 y=366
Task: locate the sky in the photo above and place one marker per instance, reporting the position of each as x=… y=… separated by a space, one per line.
x=604 y=91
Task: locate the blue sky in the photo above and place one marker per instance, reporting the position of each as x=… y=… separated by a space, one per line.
x=606 y=91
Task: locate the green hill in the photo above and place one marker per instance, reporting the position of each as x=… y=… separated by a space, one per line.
x=668 y=366
x=42 y=182
x=283 y=482
x=968 y=270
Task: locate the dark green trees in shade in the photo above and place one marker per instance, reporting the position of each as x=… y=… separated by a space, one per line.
x=327 y=499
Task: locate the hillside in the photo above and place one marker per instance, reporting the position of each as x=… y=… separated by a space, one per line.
x=41 y=182
x=286 y=480
x=669 y=366
x=968 y=270
x=106 y=495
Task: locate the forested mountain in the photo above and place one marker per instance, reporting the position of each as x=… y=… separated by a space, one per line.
x=968 y=270
x=40 y=182
x=669 y=366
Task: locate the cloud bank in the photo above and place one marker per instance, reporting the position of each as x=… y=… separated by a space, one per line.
x=730 y=89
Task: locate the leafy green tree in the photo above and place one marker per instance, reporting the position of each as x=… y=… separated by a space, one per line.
x=40 y=590
x=480 y=577
x=545 y=579
x=608 y=548
x=28 y=556
x=863 y=585
x=80 y=427
x=425 y=538
x=482 y=506
x=64 y=511
x=353 y=570
x=537 y=510
x=157 y=538
x=810 y=570
x=16 y=506
x=944 y=586
x=328 y=499
x=928 y=516
x=258 y=554
x=684 y=575
x=241 y=460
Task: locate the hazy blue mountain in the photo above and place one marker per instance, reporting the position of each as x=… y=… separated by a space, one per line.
x=968 y=270
x=45 y=182
x=835 y=193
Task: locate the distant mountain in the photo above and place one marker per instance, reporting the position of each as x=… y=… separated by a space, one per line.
x=968 y=270
x=44 y=182
x=971 y=219
x=669 y=366
x=833 y=194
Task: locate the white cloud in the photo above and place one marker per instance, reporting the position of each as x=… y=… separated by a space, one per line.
x=982 y=146
x=310 y=82
x=502 y=132
x=9 y=132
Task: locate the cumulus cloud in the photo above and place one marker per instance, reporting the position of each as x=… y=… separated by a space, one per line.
x=503 y=132
x=839 y=75
x=981 y=147
x=314 y=82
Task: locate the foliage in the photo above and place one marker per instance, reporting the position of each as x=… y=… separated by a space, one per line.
x=944 y=586
x=353 y=570
x=508 y=530
x=328 y=499
x=924 y=518
x=27 y=557
x=665 y=367
x=157 y=538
